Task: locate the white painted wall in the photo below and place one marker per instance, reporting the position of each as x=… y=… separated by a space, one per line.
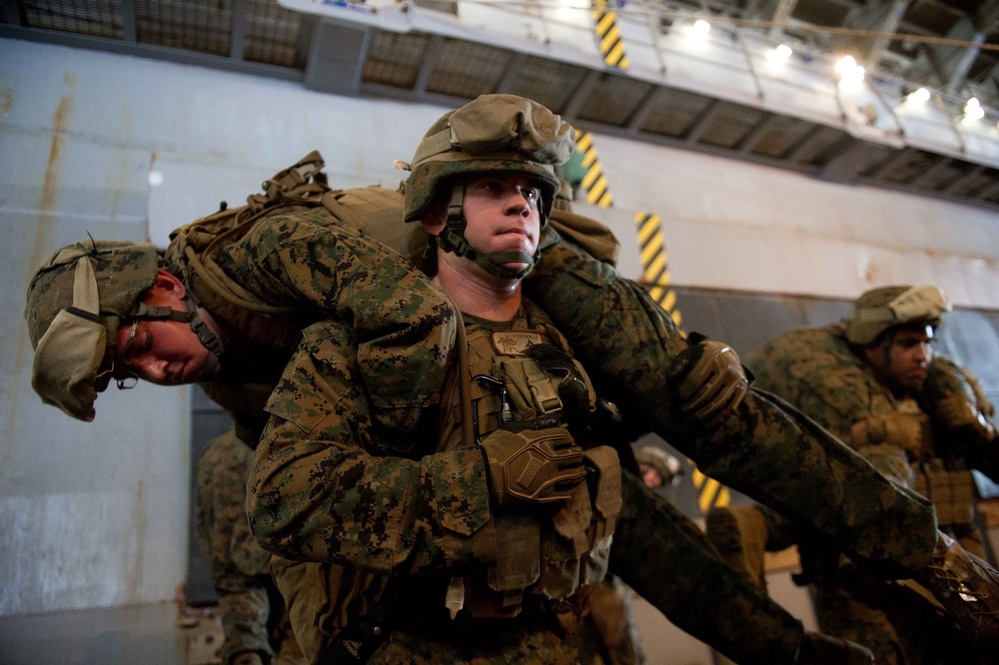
x=94 y=515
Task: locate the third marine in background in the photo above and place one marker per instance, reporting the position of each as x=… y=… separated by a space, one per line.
x=874 y=381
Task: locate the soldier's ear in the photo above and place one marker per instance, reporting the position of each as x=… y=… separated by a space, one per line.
x=168 y=283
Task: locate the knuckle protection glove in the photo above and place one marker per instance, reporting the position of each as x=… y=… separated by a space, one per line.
x=709 y=379
x=537 y=466
x=956 y=412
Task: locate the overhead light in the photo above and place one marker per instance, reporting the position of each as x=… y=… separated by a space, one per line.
x=845 y=65
x=973 y=109
x=780 y=53
x=849 y=71
x=700 y=28
x=155 y=178
x=920 y=95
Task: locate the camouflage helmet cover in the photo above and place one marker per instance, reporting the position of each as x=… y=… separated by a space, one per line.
x=75 y=303
x=492 y=133
x=878 y=310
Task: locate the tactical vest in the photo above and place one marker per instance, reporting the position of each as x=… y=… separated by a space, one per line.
x=521 y=375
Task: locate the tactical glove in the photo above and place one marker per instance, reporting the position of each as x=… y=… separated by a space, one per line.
x=822 y=649
x=956 y=411
x=538 y=466
x=709 y=380
x=248 y=658
x=908 y=431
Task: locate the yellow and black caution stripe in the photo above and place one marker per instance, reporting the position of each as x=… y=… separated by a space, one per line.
x=593 y=183
x=609 y=36
x=655 y=269
x=711 y=492
x=655 y=274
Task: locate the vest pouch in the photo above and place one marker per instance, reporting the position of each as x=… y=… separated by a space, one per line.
x=938 y=482
x=531 y=391
x=497 y=591
x=607 y=501
x=962 y=487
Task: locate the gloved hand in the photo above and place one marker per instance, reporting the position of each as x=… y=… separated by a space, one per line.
x=822 y=649
x=538 y=466
x=248 y=658
x=908 y=431
x=955 y=411
x=708 y=379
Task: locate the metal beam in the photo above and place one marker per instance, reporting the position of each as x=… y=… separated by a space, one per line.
x=336 y=57
x=888 y=25
x=697 y=131
x=580 y=95
x=925 y=178
x=128 y=29
x=179 y=56
x=430 y=55
x=755 y=135
x=851 y=161
x=237 y=34
x=512 y=72
x=645 y=107
x=952 y=186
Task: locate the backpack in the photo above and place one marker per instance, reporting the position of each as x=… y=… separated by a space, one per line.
x=195 y=247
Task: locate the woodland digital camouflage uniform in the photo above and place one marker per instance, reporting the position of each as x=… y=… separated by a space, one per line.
x=815 y=369
x=239 y=566
x=628 y=340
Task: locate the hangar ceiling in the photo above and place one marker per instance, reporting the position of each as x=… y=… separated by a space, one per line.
x=948 y=46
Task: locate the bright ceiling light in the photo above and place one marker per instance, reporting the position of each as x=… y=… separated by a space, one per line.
x=920 y=95
x=700 y=27
x=973 y=109
x=783 y=51
x=845 y=65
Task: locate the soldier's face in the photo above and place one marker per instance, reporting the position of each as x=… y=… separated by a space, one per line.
x=907 y=357
x=164 y=352
x=502 y=214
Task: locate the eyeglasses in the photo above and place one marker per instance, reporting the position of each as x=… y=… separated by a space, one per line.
x=130 y=380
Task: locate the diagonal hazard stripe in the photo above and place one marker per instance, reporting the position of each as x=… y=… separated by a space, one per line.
x=593 y=183
x=609 y=36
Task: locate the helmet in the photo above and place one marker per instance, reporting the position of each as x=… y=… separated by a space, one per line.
x=878 y=310
x=75 y=303
x=667 y=466
x=493 y=133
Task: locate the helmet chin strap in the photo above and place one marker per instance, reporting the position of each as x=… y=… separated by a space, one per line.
x=452 y=239
x=191 y=316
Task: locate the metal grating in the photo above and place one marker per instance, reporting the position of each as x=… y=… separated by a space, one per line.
x=272 y=34
x=675 y=112
x=394 y=59
x=942 y=174
x=973 y=183
x=194 y=25
x=782 y=136
x=908 y=166
x=548 y=82
x=467 y=70
x=613 y=99
x=732 y=124
x=822 y=146
x=97 y=18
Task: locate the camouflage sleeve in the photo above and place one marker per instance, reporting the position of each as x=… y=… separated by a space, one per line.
x=771 y=451
x=324 y=489
x=326 y=270
x=238 y=564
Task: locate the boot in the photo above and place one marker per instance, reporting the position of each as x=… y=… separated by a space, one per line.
x=968 y=589
x=821 y=649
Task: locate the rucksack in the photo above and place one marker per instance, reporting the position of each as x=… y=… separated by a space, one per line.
x=194 y=247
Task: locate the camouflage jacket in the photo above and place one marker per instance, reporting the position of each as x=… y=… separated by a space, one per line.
x=239 y=566
x=814 y=369
x=323 y=269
